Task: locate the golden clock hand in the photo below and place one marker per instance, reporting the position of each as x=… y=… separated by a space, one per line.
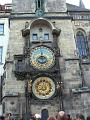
x=41 y=51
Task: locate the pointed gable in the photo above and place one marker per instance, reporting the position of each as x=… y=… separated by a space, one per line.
x=81 y=4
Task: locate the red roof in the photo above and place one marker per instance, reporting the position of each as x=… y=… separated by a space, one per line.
x=6 y=8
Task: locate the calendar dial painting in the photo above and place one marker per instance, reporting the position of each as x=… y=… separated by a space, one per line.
x=43 y=87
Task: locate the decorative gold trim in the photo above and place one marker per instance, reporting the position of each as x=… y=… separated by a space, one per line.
x=47 y=55
x=43 y=87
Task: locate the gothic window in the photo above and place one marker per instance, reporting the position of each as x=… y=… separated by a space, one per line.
x=39 y=4
x=81 y=44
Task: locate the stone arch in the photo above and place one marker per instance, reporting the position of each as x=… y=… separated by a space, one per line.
x=80 y=30
x=42 y=21
x=40 y=28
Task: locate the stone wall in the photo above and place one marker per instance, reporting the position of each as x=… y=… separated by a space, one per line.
x=86 y=71
x=55 y=6
x=29 y=6
x=77 y=103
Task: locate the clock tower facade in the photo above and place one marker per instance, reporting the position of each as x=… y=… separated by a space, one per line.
x=42 y=65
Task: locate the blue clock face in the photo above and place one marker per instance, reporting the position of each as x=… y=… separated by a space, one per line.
x=42 y=58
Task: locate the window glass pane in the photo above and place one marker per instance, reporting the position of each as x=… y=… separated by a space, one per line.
x=81 y=44
x=1 y=29
x=1 y=50
x=34 y=37
x=46 y=36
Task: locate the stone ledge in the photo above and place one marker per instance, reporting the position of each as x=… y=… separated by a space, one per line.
x=81 y=90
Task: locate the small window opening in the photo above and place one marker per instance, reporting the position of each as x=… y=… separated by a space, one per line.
x=46 y=36
x=34 y=37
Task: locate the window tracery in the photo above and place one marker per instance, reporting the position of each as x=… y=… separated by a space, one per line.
x=81 y=44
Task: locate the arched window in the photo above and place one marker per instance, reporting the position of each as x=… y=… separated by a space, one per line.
x=81 y=44
x=39 y=4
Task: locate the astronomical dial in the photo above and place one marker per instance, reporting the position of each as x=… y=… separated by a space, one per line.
x=42 y=58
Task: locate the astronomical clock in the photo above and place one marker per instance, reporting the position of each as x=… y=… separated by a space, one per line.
x=41 y=55
x=42 y=59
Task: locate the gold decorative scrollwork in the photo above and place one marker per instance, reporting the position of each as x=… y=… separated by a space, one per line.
x=43 y=87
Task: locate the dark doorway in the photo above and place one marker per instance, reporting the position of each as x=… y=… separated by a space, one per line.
x=44 y=114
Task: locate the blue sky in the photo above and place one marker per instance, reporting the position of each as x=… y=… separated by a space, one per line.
x=75 y=2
